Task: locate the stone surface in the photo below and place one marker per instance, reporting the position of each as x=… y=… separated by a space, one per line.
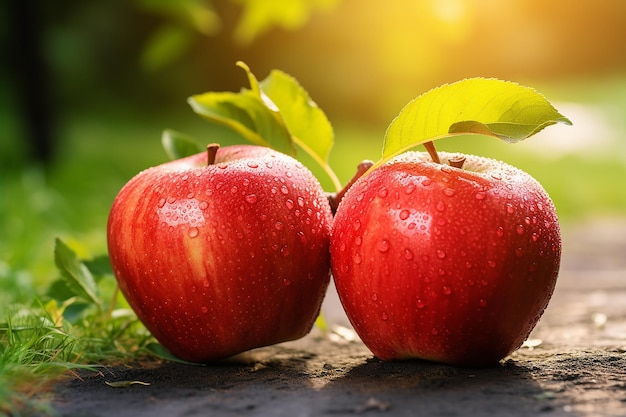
x=574 y=364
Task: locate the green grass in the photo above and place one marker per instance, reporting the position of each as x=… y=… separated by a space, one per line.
x=46 y=329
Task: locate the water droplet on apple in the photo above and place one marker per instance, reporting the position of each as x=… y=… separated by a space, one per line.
x=356 y=225
x=519 y=252
x=408 y=254
x=284 y=189
x=420 y=304
x=252 y=198
x=285 y=251
x=441 y=206
x=384 y=316
x=404 y=214
x=447 y=290
x=426 y=182
x=535 y=237
x=279 y=226
x=204 y=309
x=374 y=297
x=356 y=258
x=286 y=282
x=269 y=165
x=441 y=254
x=252 y=164
x=161 y=203
x=233 y=189
x=342 y=247
x=519 y=229
x=434 y=332
x=382 y=193
x=289 y=204
x=500 y=231
x=171 y=200
x=509 y=208
x=383 y=246
x=194 y=288
x=449 y=192
x=203 y=205
x=358 y=240
x=491 y=263
x=482 y=303
x=301 y=201
x=480 y=195
x=193 y=232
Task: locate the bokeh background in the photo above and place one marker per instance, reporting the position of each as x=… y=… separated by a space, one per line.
x=87 y=87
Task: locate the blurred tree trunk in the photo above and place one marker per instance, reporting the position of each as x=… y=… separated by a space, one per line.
x=29 y=71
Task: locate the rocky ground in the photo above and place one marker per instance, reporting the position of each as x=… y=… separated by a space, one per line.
x=574 y=364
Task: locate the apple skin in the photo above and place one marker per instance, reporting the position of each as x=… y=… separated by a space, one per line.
x=219 y=259
x=445 y=264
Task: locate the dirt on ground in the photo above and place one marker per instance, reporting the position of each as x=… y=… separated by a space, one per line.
x=574 y=364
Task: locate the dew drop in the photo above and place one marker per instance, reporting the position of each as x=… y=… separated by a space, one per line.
x=441 y=206
x=279 y=226
x=301 y=201
x=286 y=282
x=161 y=202
x=500 y=231
x=171 y=200
x=382 y=193
x=252 y=198
x=289 y=204
x=434 y=332
x=480 y=195
x=234 y=189
x=426 y=182
x=404 y=214
x=535 y=237
x=193 y=232
x=252 y=164
x=374 y=297
x=384 y=316
x=204 y=309
x=356 y=258
x=409 y=189
x=468 y=265
x=408 y=255
x=356 y=225
x=509 y=208
x=449 y=192
x=519 y=229
x=491 y=263
x=383 y=246
x=441 y=254
x=519 y=252
x=447 y=290
x=342 y=247
x=203 y=205
x=284 y=189
x=285 y=251
x=483 y=303
x=420 y=304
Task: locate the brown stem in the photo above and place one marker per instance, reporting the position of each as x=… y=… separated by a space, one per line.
x=457 y=161
x=432 y=151
x=335 y=198
x=211 y=151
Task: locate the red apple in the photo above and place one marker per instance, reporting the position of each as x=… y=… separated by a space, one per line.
x=220 y=257
x=454 y=265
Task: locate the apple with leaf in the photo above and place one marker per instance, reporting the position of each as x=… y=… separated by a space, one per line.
x=438 y=256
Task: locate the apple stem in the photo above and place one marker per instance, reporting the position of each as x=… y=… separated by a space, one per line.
x=432 y=151
x=457 y=161
x=335 y=198
x=211 y=151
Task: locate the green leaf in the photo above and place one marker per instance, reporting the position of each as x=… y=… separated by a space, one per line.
x=246 y=114
x=481 y=106
x=178 y=145
x=75 y=274
x=307 y=123
x=159 y=351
